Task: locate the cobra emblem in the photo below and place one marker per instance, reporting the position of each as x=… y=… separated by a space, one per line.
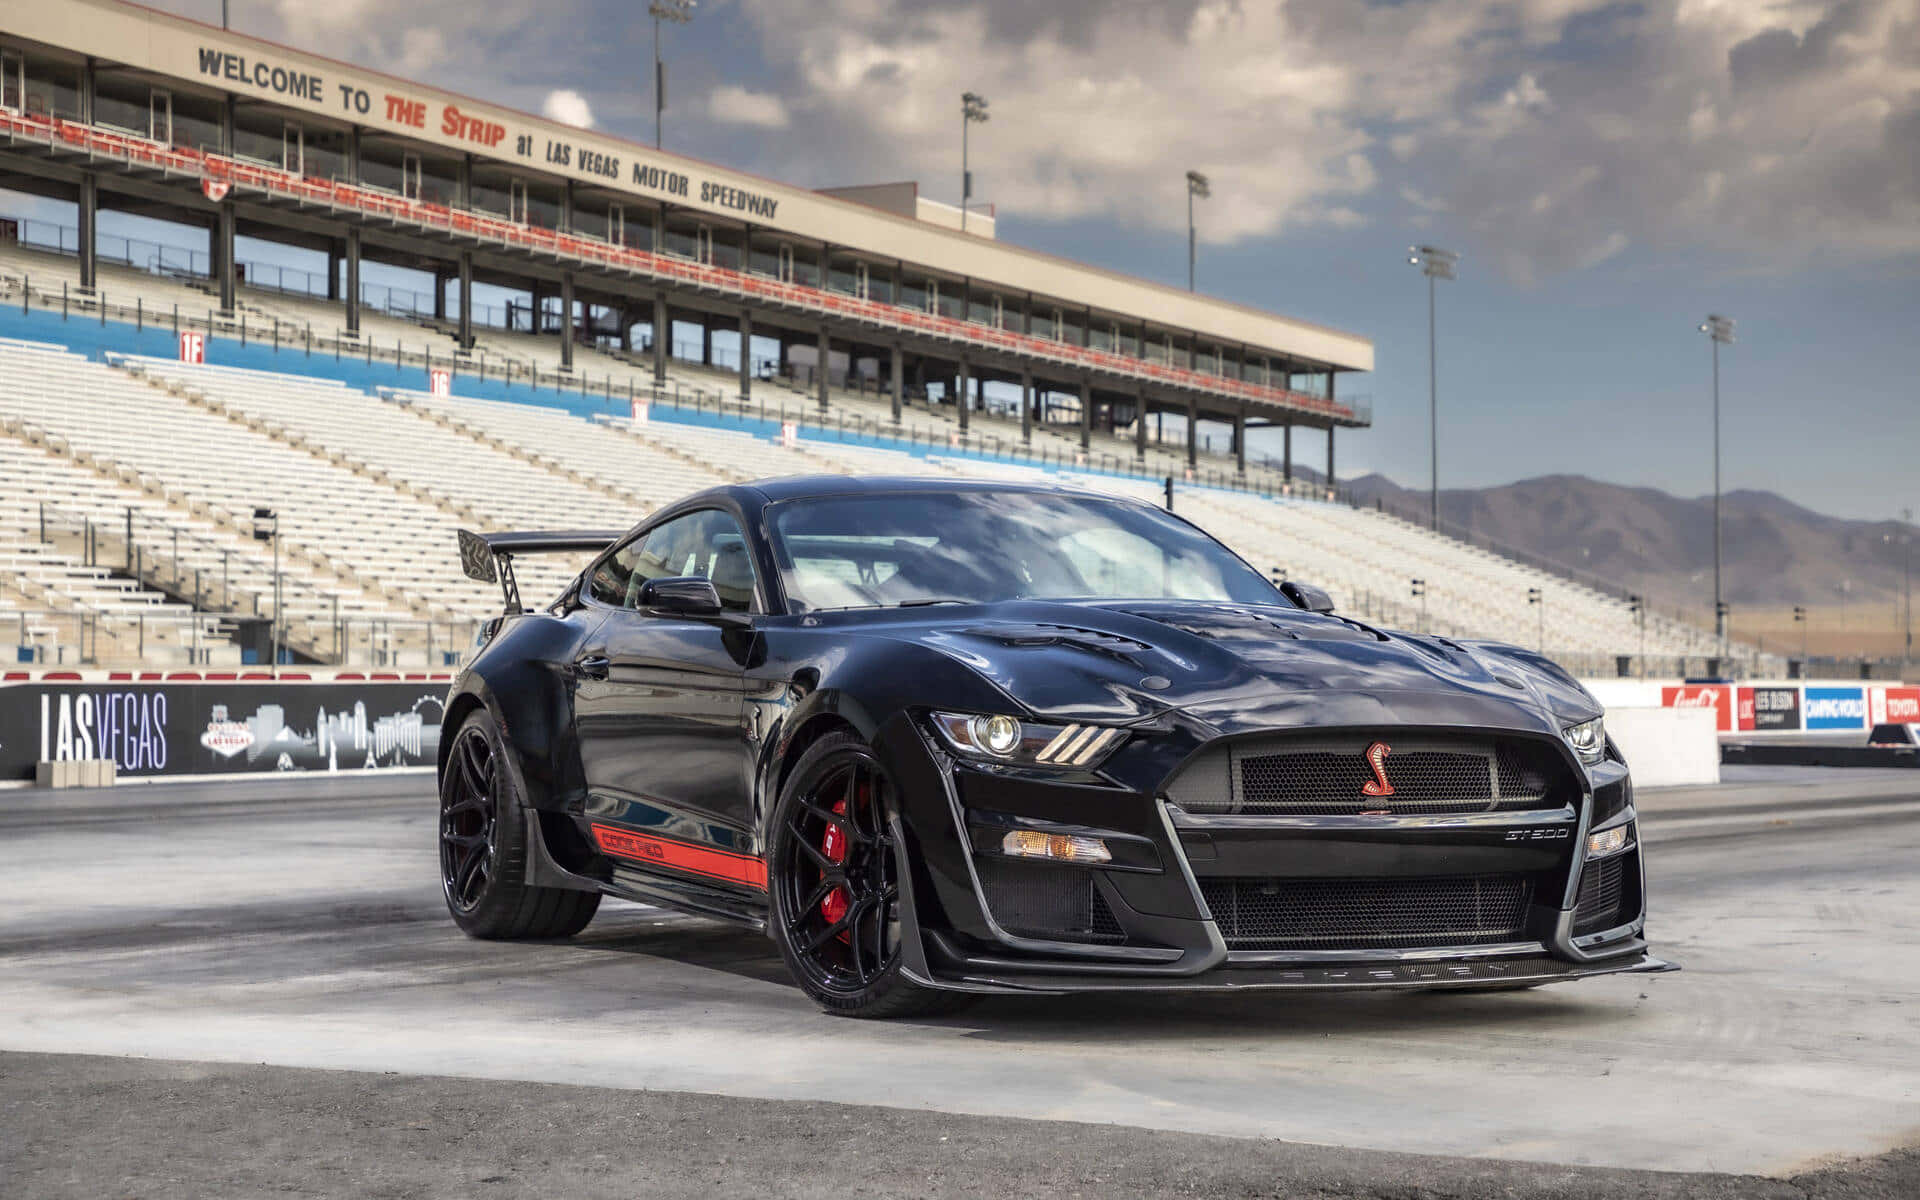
x=1377 y=759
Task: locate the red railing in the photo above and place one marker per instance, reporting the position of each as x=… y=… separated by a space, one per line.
x=135 y=150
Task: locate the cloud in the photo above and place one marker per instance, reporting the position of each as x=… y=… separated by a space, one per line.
x=737 y=106
x=1541 y=135
x=567 y=107
x=1550 y=135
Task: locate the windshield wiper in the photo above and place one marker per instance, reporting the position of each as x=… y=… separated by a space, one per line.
x=930 y=603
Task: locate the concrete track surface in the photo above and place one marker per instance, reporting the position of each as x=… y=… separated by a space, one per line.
x=294 y=924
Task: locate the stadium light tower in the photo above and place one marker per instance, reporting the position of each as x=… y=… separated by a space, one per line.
x=1197 y=188
x=1719 y=331
x=1436 y=264
x=973 y=111
x=679 y=12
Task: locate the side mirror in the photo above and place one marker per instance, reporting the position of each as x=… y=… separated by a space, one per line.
x=1307 y=596
x=684 y=595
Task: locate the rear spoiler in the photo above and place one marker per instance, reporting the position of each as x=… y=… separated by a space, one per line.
x=488 y=557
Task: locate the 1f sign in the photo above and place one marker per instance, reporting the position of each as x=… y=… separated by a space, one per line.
x=789 y=433
x=193 y=347
x=440 y=381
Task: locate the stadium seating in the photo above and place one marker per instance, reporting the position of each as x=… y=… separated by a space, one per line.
x=371 y=488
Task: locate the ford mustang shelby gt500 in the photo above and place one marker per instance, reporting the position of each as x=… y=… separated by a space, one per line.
x=945 y=738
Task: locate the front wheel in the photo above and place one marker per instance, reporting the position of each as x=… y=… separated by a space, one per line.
x=834 y=885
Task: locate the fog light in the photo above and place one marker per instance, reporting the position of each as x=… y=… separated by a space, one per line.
x=1606 y=842
x=1031 y=843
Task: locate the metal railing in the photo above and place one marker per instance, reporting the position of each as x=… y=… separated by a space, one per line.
x=232 y=593
x=132 y=152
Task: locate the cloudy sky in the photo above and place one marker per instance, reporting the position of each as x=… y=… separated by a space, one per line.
x=1609 y=173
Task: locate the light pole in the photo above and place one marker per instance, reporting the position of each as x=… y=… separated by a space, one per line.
x=1197 y=187
x=1907 y=573
x=1436 y=264
x=266 y=528
x=973 y=111
x=1538 y=599
x=1800 y=619
x=1719 y=331
x=1638 y=607
x=679 y=12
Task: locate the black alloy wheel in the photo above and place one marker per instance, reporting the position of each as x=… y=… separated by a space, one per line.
x=469 y=800
x=835 y=885
x=483 y=846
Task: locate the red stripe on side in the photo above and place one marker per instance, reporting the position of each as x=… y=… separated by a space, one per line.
x=683 y=856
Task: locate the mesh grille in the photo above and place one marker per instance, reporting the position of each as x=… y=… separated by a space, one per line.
x=1603 y=885
x=1338 y=914
x=1321 y=781
x=1046 y=900
x=1325 y=780
x=1326 y=777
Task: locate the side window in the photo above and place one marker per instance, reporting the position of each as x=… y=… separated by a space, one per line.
x=707 y=543
x=609 y=584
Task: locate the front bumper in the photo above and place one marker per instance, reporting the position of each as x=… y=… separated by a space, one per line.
x=1145 y=921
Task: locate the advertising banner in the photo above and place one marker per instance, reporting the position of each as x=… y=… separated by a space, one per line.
x=1836 y=708
x=1769 y=708
x=1893 y=704
x=1715 y=696
x=161 y=729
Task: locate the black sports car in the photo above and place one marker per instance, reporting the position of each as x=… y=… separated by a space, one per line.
x=945 y=738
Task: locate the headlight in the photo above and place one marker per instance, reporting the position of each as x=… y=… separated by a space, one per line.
x=1000 y=738
x=1588 y=739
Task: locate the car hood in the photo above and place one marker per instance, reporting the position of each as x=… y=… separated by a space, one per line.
x=1241 y=667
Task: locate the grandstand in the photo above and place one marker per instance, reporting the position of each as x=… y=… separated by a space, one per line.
x=128 y=453
x=674 y=324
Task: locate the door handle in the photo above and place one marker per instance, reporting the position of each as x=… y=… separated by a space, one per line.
x=593 y=666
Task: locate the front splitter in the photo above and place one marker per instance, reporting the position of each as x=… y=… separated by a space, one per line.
x=1514 y=972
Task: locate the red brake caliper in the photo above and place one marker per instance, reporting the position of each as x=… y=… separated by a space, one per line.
x=833 y=844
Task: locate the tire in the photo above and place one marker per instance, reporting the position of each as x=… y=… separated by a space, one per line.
x=830 y=834
x=483 y=847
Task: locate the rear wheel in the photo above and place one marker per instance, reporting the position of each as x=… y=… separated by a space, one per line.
x=483 y=847
x=834 y=885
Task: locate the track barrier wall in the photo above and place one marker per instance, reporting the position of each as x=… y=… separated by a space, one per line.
x=201 y=724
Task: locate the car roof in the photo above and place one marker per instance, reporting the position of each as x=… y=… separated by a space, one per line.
x=794 y=487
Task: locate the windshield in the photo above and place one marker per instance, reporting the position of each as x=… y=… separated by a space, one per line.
x=965 y=547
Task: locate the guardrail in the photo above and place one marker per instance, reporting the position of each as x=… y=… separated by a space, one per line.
x=133 y=151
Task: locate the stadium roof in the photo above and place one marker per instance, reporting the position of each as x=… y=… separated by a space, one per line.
x=334 y=92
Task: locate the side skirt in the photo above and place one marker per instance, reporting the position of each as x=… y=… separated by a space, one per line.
x=642 y=887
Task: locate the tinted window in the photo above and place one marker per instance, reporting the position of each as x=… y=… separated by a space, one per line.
x=707 y=543
x=881 y=550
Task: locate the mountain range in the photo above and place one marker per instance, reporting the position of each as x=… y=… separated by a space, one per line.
x=1776 y=554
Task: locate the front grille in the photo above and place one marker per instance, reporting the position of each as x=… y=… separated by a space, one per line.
x=1603 y=889
x=1330 y=777
x=1341 y=914
x=1046 y=900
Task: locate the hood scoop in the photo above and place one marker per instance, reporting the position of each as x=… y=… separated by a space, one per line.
x=1229 y=624
x=1112 y=645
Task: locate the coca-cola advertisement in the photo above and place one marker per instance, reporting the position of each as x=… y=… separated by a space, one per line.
x=1716 y=696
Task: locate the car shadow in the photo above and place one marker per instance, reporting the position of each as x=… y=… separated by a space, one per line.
x=1133 y=1018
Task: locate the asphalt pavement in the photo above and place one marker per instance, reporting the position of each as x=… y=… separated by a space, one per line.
x=278 y=954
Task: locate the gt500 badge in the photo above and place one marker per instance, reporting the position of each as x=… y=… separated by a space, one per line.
x=1554 y=834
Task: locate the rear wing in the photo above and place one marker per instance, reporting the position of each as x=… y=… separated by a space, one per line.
x=488 y=557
